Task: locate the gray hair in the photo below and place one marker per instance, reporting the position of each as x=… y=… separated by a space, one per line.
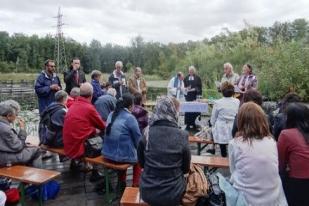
x=95 y=73
x=75 y=92
x=192 y=68
x=119 y=63
x=138 y=68
x=112 y=92
x=60 y=96
x=86 y=90
x=229 y=65
x=9 y=107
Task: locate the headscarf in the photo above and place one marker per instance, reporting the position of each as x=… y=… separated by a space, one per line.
x=164 y=110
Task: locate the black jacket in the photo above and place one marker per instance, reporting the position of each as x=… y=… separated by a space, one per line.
x=69 y=79
x=165 y=162
x=196 y=84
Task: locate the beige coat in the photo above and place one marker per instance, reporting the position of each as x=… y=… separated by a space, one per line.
x=133 y=86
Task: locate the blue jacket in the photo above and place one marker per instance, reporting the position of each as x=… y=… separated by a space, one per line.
x=105 y=105
x=97 y=91
x=43 y=91
x=121 y=144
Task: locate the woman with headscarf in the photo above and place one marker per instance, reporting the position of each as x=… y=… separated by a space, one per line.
x=165 y=156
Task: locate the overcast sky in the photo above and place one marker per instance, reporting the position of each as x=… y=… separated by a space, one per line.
x=118 y=21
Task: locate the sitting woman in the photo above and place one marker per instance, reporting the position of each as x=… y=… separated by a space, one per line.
x=165 y=156
x=253 y=159
x=13 y=149
x=140 y=113
x=222 y=117
x=293 y=148
x=122 y=137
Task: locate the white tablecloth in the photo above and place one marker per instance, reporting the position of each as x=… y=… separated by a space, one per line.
x=193 y=107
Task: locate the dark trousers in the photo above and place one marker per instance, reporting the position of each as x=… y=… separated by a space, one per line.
x=296 y=191
x=223 y=150
x=190 y=118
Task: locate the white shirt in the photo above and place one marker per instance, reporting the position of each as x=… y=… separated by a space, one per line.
x=254 y=171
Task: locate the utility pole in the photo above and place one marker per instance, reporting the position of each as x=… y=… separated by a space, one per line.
x=59 y=52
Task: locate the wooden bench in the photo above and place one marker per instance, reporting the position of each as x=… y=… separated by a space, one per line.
x=131 y=197
x=28 y=175
x=100 y=160
x=200 y=141
x=210 y=161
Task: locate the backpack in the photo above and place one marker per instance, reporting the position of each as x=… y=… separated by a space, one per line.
x=197 y=186
x=45 y=125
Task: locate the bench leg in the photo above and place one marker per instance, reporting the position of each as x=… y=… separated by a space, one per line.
x=22 y=193
x=40 y=195
x=199 y=148
x=109 y=197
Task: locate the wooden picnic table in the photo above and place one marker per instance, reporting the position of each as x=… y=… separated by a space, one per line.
x=200 y=141
x=210 y=161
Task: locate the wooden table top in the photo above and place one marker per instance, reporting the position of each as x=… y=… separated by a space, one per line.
x=195 y=139
x=131 y=197
x=28 y=174
x=210 y=161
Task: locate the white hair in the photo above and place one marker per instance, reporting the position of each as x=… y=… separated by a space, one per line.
x=9 y=107
x=86 y=90
x=112 y=92
x=192 y=68
x=119 y=63
x=228 y=65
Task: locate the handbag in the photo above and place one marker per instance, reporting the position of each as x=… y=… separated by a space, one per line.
x=49 y=191
x=93 y=146
x=216 y=196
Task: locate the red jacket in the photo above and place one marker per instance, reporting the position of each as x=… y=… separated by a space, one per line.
x=293 y=153
x=70 y=101
x=80 y=123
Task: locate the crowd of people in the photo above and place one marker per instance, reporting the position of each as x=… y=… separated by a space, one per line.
x=268 y=153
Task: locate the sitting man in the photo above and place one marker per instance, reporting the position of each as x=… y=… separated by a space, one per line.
x=80 y=123
x=51 y=123
x=106 y=103
x=13 y=149
x=72 y=97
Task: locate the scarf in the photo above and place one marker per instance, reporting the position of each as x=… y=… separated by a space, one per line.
x=164 y=110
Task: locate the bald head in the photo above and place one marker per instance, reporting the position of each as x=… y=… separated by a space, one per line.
x=86 y=90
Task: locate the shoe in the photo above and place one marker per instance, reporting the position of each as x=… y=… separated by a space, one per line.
x=211 y=151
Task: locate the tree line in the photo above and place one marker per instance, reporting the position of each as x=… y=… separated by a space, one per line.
x=279 y=55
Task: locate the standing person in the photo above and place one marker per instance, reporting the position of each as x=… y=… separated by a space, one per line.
x=74 y=77
x=193 y=85
x=46 y=85
x=229 y=75
x=118 y=80
x=253 y=158
x=81 y=122
x=13 y=148
x=106 y=103
x=222 y=117
x=176 y=88
x=121 y=139
x=247 y=80
x=164 y=154
x=293 y=148
x=95 y=82
x=137 y=84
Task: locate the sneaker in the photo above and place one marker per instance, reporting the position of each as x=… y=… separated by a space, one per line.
x=211 y=151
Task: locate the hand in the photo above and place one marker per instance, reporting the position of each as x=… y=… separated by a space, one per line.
x=97 y=131
x=21 y=122
x=55 y=87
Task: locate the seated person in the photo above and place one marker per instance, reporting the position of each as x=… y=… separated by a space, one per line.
x=106 y=104
x=253 y=158
x=95 y=82
x=164 y=154
x=13 y=149
x=73 y=95
x=81 y=122
x=52 y=118
x=140 y=113
x=121 y=138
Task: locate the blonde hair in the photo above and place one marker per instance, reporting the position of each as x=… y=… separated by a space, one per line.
x=228 y=65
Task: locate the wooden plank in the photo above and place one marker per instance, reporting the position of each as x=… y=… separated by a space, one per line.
x=131 y=197
x=28 y=174
x=195 y=139
x=210 y=161
x=100 y=160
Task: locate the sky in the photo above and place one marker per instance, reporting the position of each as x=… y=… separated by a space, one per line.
x=165 y=21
